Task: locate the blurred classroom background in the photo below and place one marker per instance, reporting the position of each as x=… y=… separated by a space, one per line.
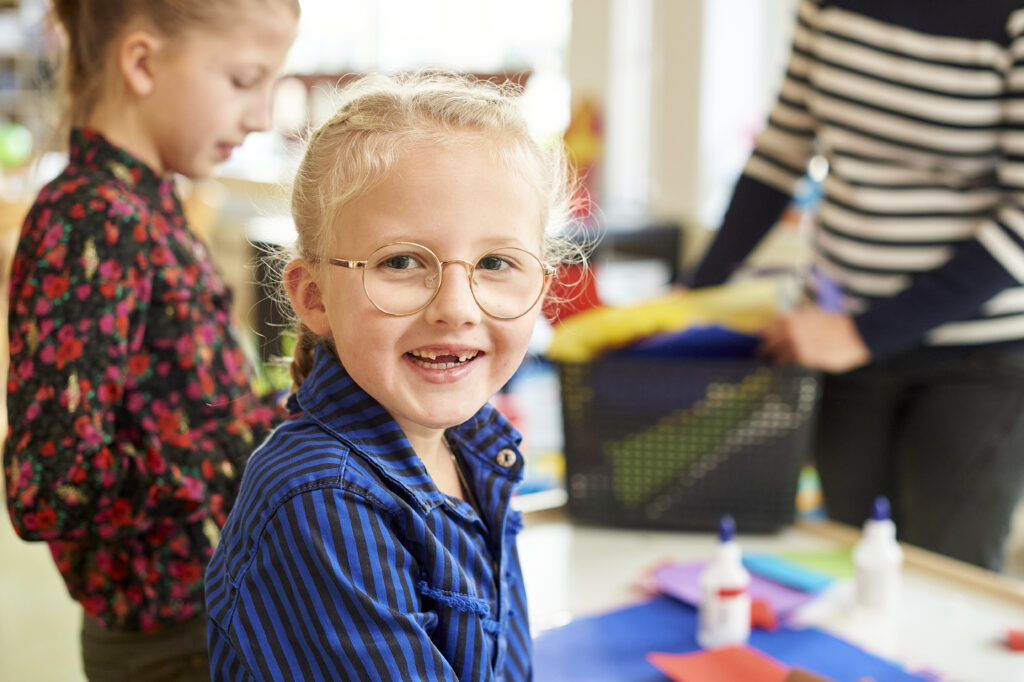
x=659 y=102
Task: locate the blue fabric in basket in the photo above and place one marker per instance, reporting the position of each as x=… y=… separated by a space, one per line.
x=613 y=647
x=694 y=342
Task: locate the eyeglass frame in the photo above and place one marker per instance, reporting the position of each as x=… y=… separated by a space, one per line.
x=547 y=270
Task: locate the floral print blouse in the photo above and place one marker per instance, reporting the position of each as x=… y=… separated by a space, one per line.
x=129 y=398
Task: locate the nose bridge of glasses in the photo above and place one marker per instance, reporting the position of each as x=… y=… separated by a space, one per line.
x=465 y=263
x=437 y=277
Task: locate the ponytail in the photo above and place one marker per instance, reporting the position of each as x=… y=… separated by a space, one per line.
x=302 y=357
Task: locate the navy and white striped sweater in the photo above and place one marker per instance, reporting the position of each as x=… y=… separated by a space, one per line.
x=342 y=560
x=919 y=107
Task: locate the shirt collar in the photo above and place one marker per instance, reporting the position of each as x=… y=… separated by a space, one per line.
x=91 y=151
x=336 y=402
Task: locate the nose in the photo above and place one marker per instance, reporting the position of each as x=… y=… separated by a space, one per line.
x=454 y=303
x=259 y=114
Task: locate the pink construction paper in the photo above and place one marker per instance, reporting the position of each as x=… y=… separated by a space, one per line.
x=682 y=581
x=726 y=664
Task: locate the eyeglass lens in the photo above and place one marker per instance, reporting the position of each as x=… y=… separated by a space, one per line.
x=402 y=278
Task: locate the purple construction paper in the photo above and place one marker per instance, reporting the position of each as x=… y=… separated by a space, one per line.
x=682 y=581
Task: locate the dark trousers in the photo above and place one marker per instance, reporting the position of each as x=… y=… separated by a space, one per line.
x=938 y=431
x=177 y=653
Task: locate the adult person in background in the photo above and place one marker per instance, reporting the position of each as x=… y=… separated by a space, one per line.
x=918 y=105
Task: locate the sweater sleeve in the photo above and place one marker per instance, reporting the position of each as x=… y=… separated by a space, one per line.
x=753 y=210
x=980 y=268
x=778 y=162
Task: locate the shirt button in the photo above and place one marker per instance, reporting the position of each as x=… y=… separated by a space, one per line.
x=506 y=458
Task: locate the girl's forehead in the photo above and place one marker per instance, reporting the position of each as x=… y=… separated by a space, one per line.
x=358 y=238
x=446 y=198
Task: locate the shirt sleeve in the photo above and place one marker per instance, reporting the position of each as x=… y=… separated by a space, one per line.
x=980 y=268
x=80 y=301
x=331 y=594
x=778 y=162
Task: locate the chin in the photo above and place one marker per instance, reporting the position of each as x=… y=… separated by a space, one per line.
x=441 y=419
x=202 y=172
x=198 y=169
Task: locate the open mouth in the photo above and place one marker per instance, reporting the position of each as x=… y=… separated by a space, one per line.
x=429 y=359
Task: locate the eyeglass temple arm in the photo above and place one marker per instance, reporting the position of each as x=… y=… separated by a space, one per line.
x=352 y=264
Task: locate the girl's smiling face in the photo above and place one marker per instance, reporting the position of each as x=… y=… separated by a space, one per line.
x=459 y=202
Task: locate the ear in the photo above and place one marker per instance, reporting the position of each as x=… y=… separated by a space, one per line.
x=306 y=297
x=136 y=60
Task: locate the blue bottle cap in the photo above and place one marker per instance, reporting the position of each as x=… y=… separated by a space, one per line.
x=726 y=528
x=880 y=508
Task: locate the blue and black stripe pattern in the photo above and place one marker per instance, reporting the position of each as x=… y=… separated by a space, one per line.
x=342 y=560
x=918 y=105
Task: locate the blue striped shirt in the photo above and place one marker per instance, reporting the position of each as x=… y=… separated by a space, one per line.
x=342 y=560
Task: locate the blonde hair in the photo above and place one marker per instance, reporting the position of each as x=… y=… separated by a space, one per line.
x=92 y=27
x=379 y=118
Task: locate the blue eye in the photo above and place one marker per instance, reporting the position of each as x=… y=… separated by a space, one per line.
x=492 y=263
x=401 y=261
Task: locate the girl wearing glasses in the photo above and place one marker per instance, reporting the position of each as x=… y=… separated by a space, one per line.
x=373 y=537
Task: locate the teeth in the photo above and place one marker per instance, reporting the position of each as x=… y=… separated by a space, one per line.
x=430 y=355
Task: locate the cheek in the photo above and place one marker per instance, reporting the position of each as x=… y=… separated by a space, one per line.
x=360 y=351
x=516 y=339
x=347 y=305
x=365 y=335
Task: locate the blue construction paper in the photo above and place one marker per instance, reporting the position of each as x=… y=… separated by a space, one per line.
x=695 y=342
x=613 y=647
x=787 y=572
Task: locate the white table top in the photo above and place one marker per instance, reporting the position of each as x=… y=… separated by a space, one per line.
x=954 y=621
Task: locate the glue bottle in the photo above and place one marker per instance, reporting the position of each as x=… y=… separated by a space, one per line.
x=724 y=615
x=878 y=560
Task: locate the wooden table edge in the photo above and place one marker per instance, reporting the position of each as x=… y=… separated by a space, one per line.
x=929 y=562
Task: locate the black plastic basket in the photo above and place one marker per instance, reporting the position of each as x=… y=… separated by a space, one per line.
x=676 y=443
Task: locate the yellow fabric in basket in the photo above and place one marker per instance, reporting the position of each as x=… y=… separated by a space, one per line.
x=744 y=307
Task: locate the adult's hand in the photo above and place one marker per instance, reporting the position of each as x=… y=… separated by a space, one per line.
x=814 y=338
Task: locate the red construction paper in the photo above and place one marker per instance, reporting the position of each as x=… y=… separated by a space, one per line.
x=1015 y=639
x=738 y=663
x=762 y=615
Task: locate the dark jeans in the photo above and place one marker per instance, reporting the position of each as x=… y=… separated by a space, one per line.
x=175 y=654
x=938 y=431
